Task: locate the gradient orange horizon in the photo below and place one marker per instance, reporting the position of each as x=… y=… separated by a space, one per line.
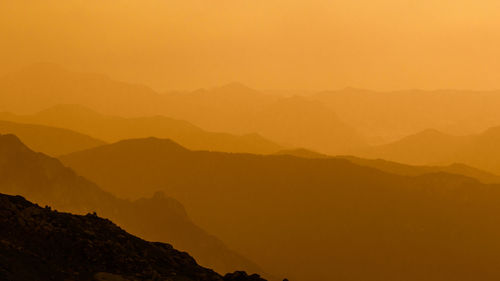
x=315 y=44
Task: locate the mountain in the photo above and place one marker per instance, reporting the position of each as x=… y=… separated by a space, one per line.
x=113 y=128
x=302 y=152
x=426 y=147
x=389 y=116
x=433 y=147
x=43 y=85
x=46 y=181
x=409 y=170
x=305 y=123
x=233 y=108
x=401 y=169
x=40 y=244
x=49 y=140
x=316 y=219
x=228 y=108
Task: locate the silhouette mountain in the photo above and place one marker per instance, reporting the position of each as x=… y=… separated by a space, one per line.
x=232 y=108
x=302 y=152
x=40 y=244
x=409 y=170
x=316 y=219
x=432 y=147
x=50 y=140
x=393 y=115
x=228 y=108
x=402 y=169
x=305 y=123
x=46 y=181
x=112 y=128
x=40 y=86
x=426 y=147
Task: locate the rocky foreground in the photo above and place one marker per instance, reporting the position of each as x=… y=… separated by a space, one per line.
x=41 y=244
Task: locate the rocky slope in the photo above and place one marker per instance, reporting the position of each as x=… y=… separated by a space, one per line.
x=46 y=181
x=40 y=244
x=317 y=219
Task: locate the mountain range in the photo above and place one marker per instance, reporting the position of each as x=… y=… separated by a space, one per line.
x=41 y=244
x=113 y=128
x=46 y=181
x=316 y=219
x=434 y=147
x=49 y=140
x=402 y=169
x=232 y=108
x=388 y=116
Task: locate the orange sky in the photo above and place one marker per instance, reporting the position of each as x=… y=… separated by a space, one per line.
x=267 y=44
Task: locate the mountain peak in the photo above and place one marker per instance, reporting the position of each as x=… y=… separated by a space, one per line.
x=139 y=147
x=11 y=142
x=236 y=88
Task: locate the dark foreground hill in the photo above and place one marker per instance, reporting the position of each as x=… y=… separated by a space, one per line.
x=317 y=219
x=40 y=244
x=46 y=181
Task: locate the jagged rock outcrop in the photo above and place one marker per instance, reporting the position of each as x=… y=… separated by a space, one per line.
x=41 y=244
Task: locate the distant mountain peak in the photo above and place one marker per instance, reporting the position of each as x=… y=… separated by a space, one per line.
x=151 y=143
x=235 y=85
x=236 y=88
x=431 y=132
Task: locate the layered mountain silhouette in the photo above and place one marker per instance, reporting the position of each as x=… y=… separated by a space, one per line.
x=316 y=219
x=228 y=108
x=40 y=244
x=43 y=85
x=46 y=181
x=303 y=153
x=393 y=115
x=305 y=123
x=412 y=170
x=113 y=128
x=433 y=147
x=49 y=140
x=402 y=169
x=233 y=108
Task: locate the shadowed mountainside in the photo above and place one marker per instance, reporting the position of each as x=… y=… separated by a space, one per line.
x=46 y=181
x=41 y=244
x=112 y=128
x=317 y=219
x=49 y=140
x=433 y=147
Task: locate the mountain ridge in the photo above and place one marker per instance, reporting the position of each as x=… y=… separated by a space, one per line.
x=47 y=182
x=86 y=248
x=277 y=201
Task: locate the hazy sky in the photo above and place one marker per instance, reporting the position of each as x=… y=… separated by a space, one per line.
x=275 y=44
